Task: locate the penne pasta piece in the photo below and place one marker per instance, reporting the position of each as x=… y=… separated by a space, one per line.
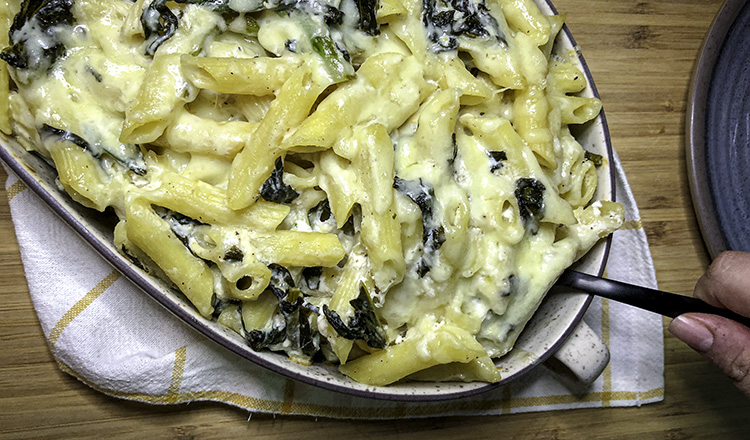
x=530 y=110
x=525 y=17
x=348 y=288
x=576 y=109
x=259 y=76
x=154 y=237
x=207 y=203
x=294 y=248
x=254 y=163
x=81 y=175
x=351 y=104
x=164 y=90
x=445 y=345
x=192 y=134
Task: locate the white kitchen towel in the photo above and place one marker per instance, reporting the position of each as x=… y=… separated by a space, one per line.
x=109 y=334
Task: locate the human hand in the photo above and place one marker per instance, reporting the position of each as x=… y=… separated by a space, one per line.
x=724 y=342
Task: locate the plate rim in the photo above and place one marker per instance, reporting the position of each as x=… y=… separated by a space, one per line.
x=695 y=127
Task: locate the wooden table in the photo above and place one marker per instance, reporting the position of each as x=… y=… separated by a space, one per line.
x=642 y=55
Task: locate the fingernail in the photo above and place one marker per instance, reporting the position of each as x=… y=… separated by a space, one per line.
x=692 y=332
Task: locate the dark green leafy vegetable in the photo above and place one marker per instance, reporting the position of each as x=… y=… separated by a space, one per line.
x=435 y=238
x=433 y=234
x=367 y=16
x=497 y=159
x=159 y=24
x=420 y=193
x=447 y=20
x=530 y=195
x=64 y=136
x=182 y=226
x=335 y=56
x=234 y=254
x=281 y=281
x=274 y=189
x=364 y=325
x=596 y=159
x=293 y=322
x=291 y=45
x=321 y=213
x=299 y=331
x=331 y=15
x=252 y=27
x=337 y=59
x=309 y=340
x=220 y=304
x=126 y=155
x=312 y=277
x=35 y=34
x=260 y=339
x=452 y=160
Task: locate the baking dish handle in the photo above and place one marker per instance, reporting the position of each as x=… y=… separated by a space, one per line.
x=582 y=357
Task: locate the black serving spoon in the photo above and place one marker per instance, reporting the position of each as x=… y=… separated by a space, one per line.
x=667 y=304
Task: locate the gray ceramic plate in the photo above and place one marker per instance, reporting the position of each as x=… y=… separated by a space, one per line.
x=551 y=325
x=718 y=131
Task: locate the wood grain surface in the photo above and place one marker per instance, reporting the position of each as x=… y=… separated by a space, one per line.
x=642 y=54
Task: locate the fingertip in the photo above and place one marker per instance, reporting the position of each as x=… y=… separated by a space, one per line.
x=692 y=332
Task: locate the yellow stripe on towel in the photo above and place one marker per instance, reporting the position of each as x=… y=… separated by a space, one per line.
x=81 y=305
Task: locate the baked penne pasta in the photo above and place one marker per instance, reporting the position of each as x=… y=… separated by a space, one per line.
x=389 y=186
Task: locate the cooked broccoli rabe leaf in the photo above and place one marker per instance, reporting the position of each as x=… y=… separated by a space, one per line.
x=35 y=34
x=182 y=226
x=299 y=330
x=260 y=339
x=281 y=281
x=331 y=15
x=133 y=259
x=336 y=59
x=321 y=213
x=335 y=56
x=367 y=10
x=497 y=160
x=530 y=195
x=433 y=233
x=274 y=189
x=221 y=304
x=432 y=242
x=293 y=323
x=311 y=275
x=159 y=24
x=418 y=192
x=447 y=20
x=127 y=155
x=596 y=159
x=233 y=254
x=364 y=325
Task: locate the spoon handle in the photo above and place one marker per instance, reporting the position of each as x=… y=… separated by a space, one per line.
x=667 y=304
